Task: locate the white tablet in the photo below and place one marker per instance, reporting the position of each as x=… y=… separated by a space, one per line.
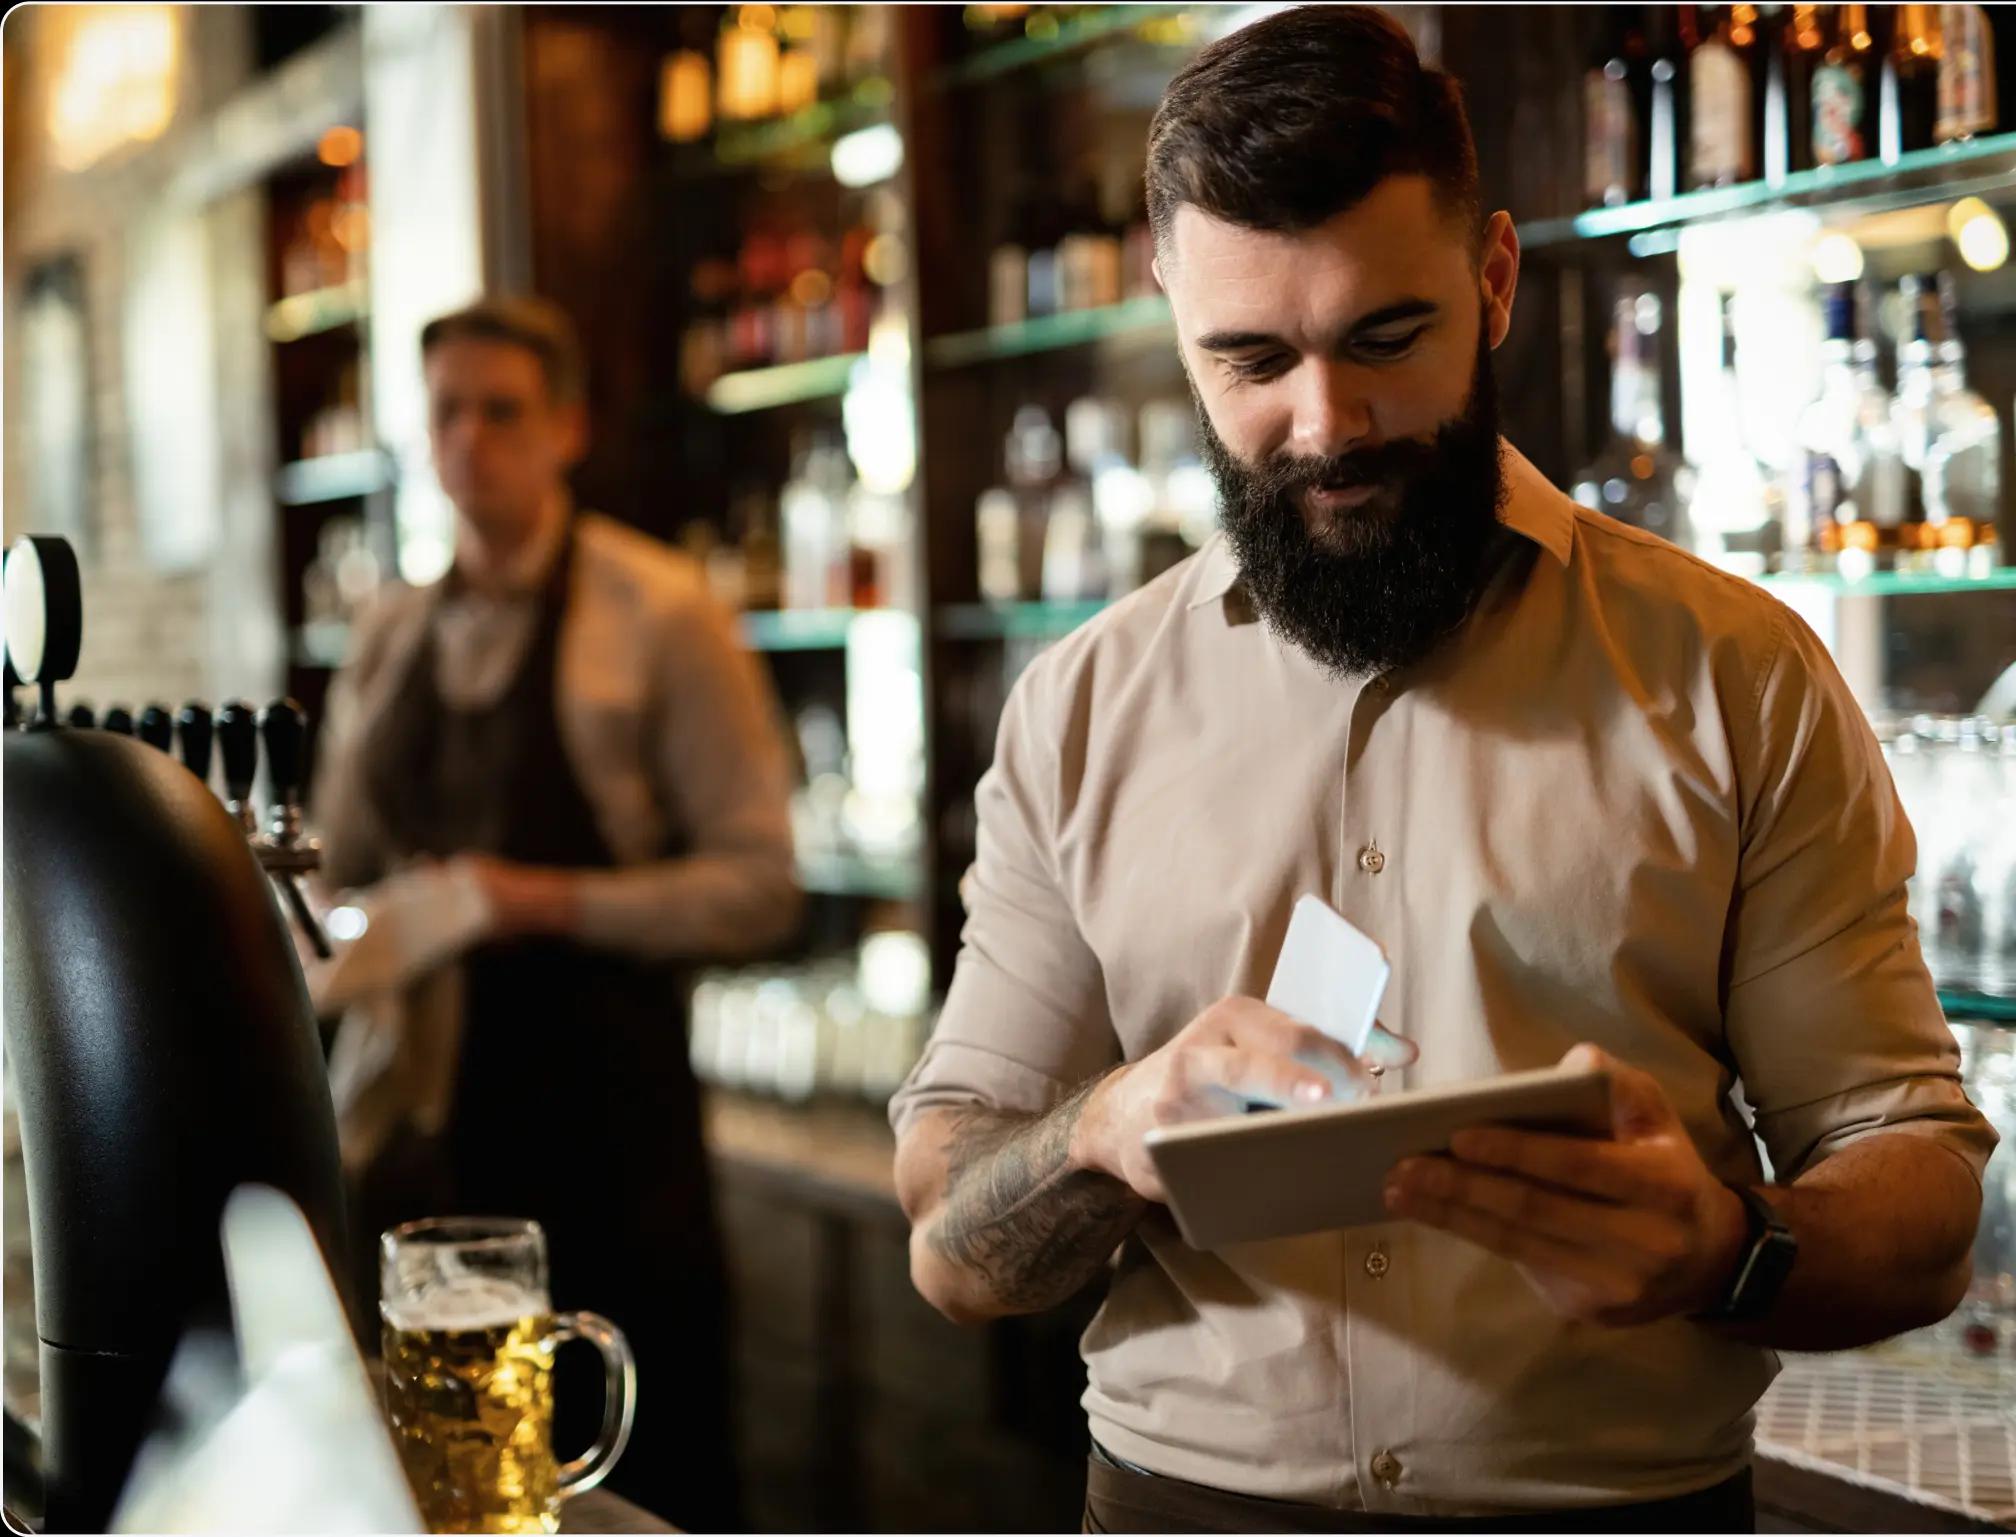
x=1271 y=1174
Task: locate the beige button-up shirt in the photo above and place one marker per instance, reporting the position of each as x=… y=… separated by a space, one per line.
x=1631 y=802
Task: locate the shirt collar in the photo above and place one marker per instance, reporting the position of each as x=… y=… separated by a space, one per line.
x=1533 y=509
x=527 y=568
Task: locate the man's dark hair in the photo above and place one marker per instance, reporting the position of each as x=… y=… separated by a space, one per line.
x=1297 y=117
x=538 y=325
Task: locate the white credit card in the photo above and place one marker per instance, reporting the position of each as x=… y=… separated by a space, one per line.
x=1330 y=975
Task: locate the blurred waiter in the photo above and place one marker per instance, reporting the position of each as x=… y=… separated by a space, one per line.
x=567 y=729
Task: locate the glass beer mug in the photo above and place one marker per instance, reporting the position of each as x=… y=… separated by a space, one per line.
x=469 y=1342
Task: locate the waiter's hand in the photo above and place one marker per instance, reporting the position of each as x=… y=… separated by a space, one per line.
x=1235 y=1051
x=1616 y=1232
x=525 y=900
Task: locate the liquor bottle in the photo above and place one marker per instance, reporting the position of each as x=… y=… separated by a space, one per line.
x=1668 y=131
x=1910 y=90
x=1725 y=105
x=1636 y=478
x=815 y=546
x=1803 y=45
x=1876 y=483
x=1844 y=96
x=1095 y=433
x=1613 y=152
x=1961 y=473
x=1827 y=468
x=1967 y=104
x=1911 y=412
x=1730 y=512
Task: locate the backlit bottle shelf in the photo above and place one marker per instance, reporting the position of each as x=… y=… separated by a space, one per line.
x=760 y=389
x=1049 y=333
x=1048 y=38
x=1960 y=169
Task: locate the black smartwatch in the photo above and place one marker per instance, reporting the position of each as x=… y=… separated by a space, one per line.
x=1766 y=1262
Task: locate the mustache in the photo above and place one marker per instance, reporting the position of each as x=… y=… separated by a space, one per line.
x=1381 y=464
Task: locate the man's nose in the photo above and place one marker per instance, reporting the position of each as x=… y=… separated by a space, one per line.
x=1332 y=412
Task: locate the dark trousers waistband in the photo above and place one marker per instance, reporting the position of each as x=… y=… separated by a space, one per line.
x=1126 y=1499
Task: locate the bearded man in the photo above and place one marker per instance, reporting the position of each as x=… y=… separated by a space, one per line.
x=1599 y=801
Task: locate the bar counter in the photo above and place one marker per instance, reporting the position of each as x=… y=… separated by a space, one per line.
x=1908 y=1436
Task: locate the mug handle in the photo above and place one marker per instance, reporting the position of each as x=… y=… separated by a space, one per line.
x=619 y=1399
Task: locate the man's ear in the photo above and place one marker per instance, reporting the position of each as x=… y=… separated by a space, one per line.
x=574 y=434
x=1498 y=274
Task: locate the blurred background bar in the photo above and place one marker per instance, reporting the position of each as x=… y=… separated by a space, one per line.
x=872 y=333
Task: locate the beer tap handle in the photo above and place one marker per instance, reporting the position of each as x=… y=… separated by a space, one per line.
x=238 y=740
x=193 y=730
x=81 y=717
x=157 y=728
x=284 y=729
x=119 y=720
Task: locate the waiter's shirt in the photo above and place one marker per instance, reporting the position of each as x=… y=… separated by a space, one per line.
x=1630 y=802
x=669 y=724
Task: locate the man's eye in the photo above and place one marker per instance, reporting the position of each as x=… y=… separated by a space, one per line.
x=1390 y=346
x=1257 y=368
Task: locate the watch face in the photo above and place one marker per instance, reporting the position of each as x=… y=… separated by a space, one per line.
x=1764 y=1272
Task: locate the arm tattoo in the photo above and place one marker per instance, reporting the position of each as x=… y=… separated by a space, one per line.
x=1016 y=1213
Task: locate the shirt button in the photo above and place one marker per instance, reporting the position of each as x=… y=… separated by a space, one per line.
x=1377 y=1264
x=1386 y=1468
x=1371 y=860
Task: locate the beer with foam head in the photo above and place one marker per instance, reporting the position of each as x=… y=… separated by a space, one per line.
x=469 y=1390
x=469 y=1337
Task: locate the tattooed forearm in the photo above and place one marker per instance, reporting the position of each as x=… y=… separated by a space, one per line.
x=1018 y=1215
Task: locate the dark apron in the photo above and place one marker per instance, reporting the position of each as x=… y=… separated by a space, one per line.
x=575 y=1101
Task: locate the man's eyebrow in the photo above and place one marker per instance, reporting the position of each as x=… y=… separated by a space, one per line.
x=1385 y=315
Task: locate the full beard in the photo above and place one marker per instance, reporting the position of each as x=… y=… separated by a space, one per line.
x=1387 y=581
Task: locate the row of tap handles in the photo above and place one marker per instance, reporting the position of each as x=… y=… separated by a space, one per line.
x=283 y=849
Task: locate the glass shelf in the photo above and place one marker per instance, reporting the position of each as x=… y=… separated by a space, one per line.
x=797 y=629
x=1166 y=24
x=332 y=478
x=758 y=389
x=1074 y=328
x=854 y=875
x=318 y=310
x=1971 y=166
x=738 y=146
x=1963 y=1006
x=1014 y=621
x=1895 y=584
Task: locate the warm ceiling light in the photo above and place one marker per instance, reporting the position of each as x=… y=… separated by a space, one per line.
x=1837 y=258
x=116 y=83
x=1983 y=240
x=340 y=146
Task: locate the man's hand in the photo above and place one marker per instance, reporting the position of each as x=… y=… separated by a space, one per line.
x=1237 y=1050
x=1615 y=1232
x=525 y=900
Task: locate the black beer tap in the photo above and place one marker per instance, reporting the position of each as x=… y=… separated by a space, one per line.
x=193 y=731
x=161 y=1048
x=81 y=717
x=238 y=740
x=283 y=850
x=118 y=720
x=157 y=727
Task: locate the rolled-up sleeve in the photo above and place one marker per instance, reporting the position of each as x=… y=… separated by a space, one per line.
x=720 y=766
x=1025 y=1020
x=1832 y=1018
